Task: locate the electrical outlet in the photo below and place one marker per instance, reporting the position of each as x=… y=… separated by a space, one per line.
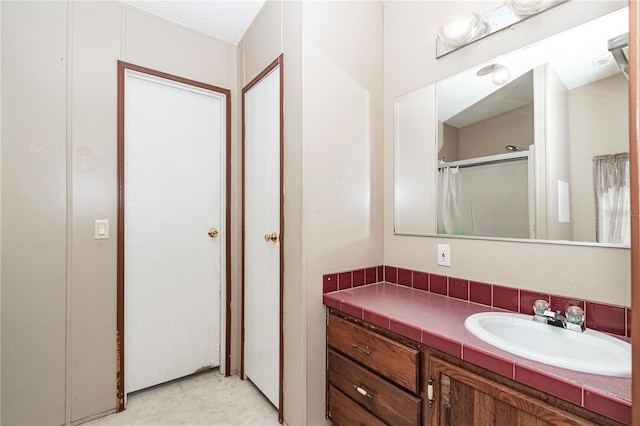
x=444 y=255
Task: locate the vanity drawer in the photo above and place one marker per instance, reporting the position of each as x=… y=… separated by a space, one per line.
x=388 y=402
x=343 y=411
x=390 y=359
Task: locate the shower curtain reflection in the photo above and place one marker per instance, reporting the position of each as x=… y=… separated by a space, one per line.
x=613 y=206
x=449 y=217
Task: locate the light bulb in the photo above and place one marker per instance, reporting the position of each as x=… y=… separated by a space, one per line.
x=501 y=75
x=459 y=30
x=528 y=7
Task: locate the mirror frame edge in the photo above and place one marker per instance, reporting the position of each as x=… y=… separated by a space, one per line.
x=634 y=100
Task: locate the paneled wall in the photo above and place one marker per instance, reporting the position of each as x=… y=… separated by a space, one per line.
x=59 y=91
x=34 y=212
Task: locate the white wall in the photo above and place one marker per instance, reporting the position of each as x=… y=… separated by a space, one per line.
x=607 y=100
x=342 y=161
x=59 y=283
x=34 y=200
x=410 y=28
x=333 y=166
x=416 y=120
x=554 y=133
x=490 y=136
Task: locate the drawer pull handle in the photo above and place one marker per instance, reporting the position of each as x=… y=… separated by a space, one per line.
x=363 y=391
x=430 y=392
x=357 y=346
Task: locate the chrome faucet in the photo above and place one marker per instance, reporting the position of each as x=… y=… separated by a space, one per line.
x=556 y=319
x=574 y=319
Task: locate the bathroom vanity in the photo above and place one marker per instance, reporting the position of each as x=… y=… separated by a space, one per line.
x=383 y=369
x=382 y=374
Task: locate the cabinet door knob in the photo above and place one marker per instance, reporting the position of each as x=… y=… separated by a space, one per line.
x=213 y=232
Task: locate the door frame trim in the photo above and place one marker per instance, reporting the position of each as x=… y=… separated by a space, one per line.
x=278 y=62
x=226 y=305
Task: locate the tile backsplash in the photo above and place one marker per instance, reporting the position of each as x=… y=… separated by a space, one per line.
x=612 y=319
x=350 y=279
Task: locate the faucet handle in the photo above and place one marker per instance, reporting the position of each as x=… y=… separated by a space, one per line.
x=575 y=315
x=540 y=307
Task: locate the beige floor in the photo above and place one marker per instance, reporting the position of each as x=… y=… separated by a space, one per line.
x=203 y=399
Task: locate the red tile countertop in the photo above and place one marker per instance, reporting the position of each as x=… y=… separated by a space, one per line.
x=438 y=321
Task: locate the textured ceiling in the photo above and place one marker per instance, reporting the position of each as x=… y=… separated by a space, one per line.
x=224 y=19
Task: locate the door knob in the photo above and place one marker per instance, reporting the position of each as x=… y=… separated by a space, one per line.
x=213 y=232
x=271 y=237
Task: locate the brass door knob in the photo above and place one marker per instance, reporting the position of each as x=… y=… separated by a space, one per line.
x=271 y=237
x=213 y=232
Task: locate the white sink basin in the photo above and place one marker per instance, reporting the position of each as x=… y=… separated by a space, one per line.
x=590 y=352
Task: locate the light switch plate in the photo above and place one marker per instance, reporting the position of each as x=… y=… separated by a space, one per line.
x=101 y=229
x=444 y=255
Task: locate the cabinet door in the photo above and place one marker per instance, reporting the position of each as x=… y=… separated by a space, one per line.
x=464 y=398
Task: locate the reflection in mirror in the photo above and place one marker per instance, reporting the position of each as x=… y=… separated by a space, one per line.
x=536 y=152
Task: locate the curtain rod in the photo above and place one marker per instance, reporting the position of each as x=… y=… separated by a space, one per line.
x=490 y=159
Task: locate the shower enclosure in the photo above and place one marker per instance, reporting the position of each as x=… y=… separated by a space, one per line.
x=487 y=196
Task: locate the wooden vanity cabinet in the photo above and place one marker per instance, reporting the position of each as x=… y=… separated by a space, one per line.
x=377 y=374
x=462 y=398
x=376 y=377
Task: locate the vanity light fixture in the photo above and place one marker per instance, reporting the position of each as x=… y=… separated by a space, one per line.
x=528 y=7
x=500 y=74
x=460 y=30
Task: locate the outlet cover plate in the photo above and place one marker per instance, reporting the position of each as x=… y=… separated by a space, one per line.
x=444 y=255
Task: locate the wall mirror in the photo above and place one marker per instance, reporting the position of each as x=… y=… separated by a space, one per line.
x=532 y=145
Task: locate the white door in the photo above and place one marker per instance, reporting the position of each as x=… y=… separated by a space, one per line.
x=173 y=176
x=262 y=235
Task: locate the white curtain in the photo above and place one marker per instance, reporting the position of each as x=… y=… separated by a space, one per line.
x=613 y=201
x=449 y=217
